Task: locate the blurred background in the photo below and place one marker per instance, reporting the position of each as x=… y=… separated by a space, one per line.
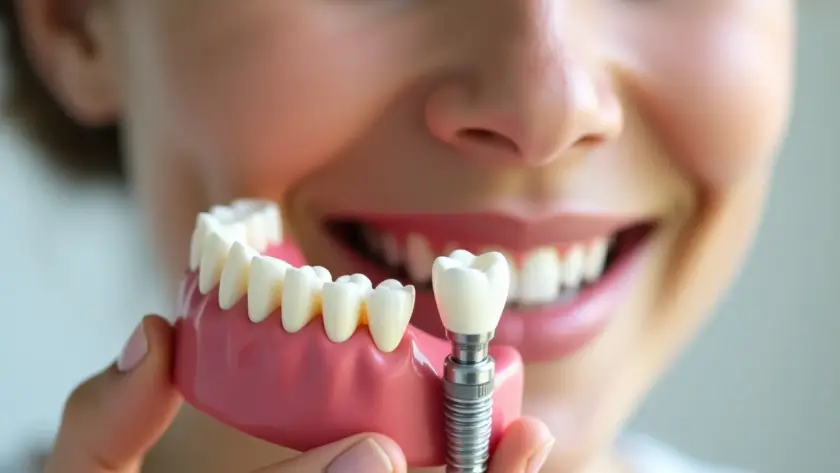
x=759 y=389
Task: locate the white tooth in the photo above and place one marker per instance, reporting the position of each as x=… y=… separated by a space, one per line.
x=233 y=283
x=419 y=258
x=256 y=229
x=214 y=253
x=358 y=279
x=462 y=256
x=251 y=205
x=273 y=224
x=224 y=213
x=342 y=306
x=540 y=277
x=269 y=214
x=513 y=295
x=389 y=309
x=573 y=267
x=596 y=257
x=471 y=291
x=265 y=286
x=232 y=222
x=322 y=273
x=247 y=204
x=391 y=250
x=204 y=224
x=301 y=296
x=237 y=231
x=513 y=292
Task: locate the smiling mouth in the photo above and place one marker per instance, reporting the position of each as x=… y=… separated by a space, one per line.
x=547 y=275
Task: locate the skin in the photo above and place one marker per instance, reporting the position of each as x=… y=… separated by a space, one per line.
x=669 y=110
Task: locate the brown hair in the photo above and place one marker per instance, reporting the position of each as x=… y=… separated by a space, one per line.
x=79 y=150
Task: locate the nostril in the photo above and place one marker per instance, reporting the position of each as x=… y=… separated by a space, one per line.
x=589 y=141
x=488 y=138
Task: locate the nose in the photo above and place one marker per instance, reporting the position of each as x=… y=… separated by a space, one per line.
x=523 y=94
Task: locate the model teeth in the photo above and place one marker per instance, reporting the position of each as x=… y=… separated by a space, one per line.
x=224 y=255
x=265 y=286
x=254 y=222
x=358 y=279
x=233 y=283
x=233 y=221
x=389 y=309
x=342 y=305
x=263 y=223
x=204 y=225
x=302 y=296
x=471 y=291
x=538 y=276
x=213 y=257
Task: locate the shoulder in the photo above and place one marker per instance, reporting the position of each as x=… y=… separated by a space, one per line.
x=647 y=455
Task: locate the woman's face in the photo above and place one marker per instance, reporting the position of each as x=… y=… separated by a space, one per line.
x=535 y=127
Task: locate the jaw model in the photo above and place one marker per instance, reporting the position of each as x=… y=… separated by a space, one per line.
x=284 y=353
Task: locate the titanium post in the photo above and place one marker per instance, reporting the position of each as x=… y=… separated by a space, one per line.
x=471 y=292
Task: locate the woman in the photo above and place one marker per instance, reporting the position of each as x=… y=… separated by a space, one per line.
x=533 y=121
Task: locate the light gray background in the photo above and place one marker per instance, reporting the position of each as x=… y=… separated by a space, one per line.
x=760 y=388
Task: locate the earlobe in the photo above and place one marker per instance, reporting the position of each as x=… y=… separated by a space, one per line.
x=71 y=47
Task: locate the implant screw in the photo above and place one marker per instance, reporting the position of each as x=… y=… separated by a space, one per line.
x=468 y=381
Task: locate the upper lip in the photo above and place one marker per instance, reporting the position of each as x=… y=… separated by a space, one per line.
x=505 y=229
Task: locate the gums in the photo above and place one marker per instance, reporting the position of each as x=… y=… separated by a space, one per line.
x=302 y=391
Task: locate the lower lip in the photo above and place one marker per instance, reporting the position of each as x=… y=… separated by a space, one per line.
x=550 y=332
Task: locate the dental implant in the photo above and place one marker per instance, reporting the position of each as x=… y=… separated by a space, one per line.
x=470 y=292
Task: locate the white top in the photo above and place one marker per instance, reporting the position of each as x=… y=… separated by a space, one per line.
x=77 y=277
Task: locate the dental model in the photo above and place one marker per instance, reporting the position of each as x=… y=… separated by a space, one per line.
x=470 y=293
x=290 y=354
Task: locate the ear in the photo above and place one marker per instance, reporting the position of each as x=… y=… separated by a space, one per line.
x=71 y=45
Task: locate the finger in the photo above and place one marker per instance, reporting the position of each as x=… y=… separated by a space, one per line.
x=366 y=453
x=112 y=419
x=524 y=447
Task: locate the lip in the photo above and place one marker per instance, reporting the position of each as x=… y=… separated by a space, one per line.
x=512 y=232
x=545 y=333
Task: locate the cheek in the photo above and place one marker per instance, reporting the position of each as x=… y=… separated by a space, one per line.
x=266 y=109
x=720 y=99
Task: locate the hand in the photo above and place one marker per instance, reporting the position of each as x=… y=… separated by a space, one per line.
x=112 y=420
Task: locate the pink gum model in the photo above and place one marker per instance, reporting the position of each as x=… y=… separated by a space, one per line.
x=301 y=391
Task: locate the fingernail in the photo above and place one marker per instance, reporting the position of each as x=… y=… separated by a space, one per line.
x=134 y=351
x=364 y=457
x=537 y=461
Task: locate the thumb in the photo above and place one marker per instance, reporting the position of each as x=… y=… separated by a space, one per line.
x=524 y=447
x=364 y=453
x=112 y=419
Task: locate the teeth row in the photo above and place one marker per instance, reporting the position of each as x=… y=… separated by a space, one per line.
x=253 y=222
x=226 y=258
x=540 y=277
